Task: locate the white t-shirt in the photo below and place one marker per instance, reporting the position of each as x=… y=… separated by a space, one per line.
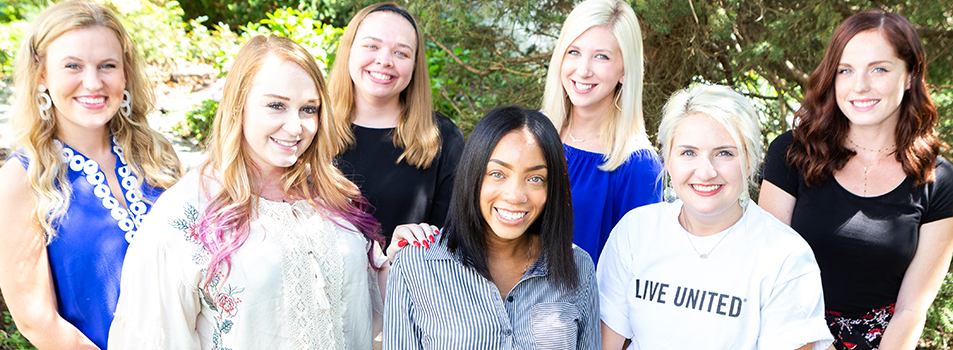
x=759 y=287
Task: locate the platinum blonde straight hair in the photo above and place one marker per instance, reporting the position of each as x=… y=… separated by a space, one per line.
x=727 y=107
x=624 y=128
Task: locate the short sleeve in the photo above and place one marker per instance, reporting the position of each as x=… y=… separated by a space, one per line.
x=450 y=151
x=793 y=314
x=776 y=169
x=941 y=193
x=613 y=276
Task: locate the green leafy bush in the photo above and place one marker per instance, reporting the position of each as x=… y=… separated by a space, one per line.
x=10 y=33
x=318 y=38
x=10 y=338
x=939 y=324
x=198 y=122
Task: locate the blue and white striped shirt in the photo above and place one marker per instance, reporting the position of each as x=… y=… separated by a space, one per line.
x=435 y=302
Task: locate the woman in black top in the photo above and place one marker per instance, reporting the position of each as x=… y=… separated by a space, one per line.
x=859 y=177
x=388 y=139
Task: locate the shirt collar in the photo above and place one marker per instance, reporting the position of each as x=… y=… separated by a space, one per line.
x=439 y=251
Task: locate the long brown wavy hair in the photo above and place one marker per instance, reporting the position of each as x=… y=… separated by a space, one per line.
x=821 y=127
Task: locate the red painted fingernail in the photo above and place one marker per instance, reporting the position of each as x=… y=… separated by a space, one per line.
x=431 y=239
x=401 y=243
x=417 y=244
x=436 y=232
x=427 y=244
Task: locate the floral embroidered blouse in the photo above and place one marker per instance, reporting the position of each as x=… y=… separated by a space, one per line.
x=299 y=281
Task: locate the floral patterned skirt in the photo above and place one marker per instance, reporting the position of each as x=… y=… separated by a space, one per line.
x=859 y=333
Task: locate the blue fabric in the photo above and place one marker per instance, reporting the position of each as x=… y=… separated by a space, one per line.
x=87 y=253
x=600 y=198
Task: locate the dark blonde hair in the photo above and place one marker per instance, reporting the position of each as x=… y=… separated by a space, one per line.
x=417 y=133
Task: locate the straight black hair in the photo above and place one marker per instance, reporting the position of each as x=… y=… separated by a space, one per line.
x=466 y=229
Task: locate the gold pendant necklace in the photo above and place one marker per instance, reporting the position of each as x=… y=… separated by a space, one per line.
x=868 y=166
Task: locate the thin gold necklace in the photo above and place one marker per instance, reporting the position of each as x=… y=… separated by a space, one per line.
x=871 y=150
x=868 y=166
x=573 y=138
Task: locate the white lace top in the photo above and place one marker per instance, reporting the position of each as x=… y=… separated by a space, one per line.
x=299 y=282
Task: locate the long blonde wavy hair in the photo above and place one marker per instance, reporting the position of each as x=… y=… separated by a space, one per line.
x=624 y=128
x=417 y=133
x=150 y=154
x=225 y=224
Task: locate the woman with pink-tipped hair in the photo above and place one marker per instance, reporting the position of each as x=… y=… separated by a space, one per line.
x=265 y=245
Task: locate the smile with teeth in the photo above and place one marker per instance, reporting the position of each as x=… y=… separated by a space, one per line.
x=510 y=215
x=285 y=143
x=706 y=188
x=581 y=86
x=91 y=100
x=380 y=76
x=864 y=104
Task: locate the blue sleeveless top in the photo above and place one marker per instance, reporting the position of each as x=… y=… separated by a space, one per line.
x=87 y=253
x=601 y=198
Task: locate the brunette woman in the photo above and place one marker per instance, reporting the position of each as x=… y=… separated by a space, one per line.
x=504 y=273
x=859 y=177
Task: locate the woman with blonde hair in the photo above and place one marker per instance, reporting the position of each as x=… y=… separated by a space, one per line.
x=594 y=97
x=265 y=245
x=87 y=169
x=710 y=270
x=386 y=136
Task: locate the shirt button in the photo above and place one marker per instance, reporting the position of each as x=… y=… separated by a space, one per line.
x=509 y=299
x=507 y=332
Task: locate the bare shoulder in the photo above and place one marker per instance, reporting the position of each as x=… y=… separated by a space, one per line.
x=16 y=202
x=15 y=187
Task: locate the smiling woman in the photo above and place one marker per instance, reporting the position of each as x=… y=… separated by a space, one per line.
x=727 y=272
x=387 y=138
x=860 y=175
x=504 y=273
x=594 y=97
x=88 y=169
x=265 y=246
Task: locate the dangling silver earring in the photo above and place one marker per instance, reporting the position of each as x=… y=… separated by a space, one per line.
x=125 y=108
x=44 y=103
x=668 y=195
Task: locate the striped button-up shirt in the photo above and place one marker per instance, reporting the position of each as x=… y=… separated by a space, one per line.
x=435 y=302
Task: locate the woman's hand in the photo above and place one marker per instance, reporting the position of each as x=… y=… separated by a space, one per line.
x=417 y=234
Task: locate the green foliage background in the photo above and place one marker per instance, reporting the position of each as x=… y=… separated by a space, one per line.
x=483 y=54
